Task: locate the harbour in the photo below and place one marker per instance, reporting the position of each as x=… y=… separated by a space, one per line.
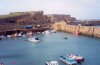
x=17 y=51
x=50 y=32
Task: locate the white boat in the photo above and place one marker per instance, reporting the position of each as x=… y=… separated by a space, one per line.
x=53 y=31
x=50 y=31
x=24 y=35
x=20 y=34
x=47 y=31
x=9 y=36
x=52 y=63
x=3 y=37
x=64 y=38
x=34 y=39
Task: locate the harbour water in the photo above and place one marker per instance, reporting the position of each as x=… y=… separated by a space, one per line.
x=19 y=51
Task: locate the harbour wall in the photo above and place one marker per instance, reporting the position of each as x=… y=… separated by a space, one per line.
x=85 y=30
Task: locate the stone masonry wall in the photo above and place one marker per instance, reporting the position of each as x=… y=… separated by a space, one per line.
x=85 y=30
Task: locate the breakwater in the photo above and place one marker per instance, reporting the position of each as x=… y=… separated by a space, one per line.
x=85 y=30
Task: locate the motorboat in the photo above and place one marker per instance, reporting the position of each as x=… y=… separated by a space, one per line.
x=66 y=60
x=15 y=35
x=53 y=31
x=9 y=36
x=34 y=39
x=3 y=37
x=76 y=33
x=29 y=34
x=64 y=38
x=22 y=35
x=47 y=31
x=50 y=31
x=52 y=63
x=76 y=57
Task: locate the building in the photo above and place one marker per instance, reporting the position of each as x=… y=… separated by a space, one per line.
x=60 y=17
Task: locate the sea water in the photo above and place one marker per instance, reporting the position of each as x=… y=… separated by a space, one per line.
x=20 y=51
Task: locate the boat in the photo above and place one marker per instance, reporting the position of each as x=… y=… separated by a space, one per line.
x=29 y=33
x=50 y=31
x=20 y=34
x=34 y=39
x=76 y=57
x=52 y=63
x=3 y=37
x=64 y=38
x=47 y=31
x=66 y=60
x=9 y=36
x=76 y=33
x=53 y=31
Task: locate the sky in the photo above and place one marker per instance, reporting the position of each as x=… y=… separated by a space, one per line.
x=80 y=9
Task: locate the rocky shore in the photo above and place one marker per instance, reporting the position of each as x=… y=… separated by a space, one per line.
x=85 y=30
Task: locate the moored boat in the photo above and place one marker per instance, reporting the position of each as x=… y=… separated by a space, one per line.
x=34 y=39
x=76 y=33
x=69 y=61
x=53 y=31
x=64 y=38
x=76 y=57
x=29 y=33
x=9 y=36
x=50 y=31
x=3 y=37
x=52 y=63
x=47 y=31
